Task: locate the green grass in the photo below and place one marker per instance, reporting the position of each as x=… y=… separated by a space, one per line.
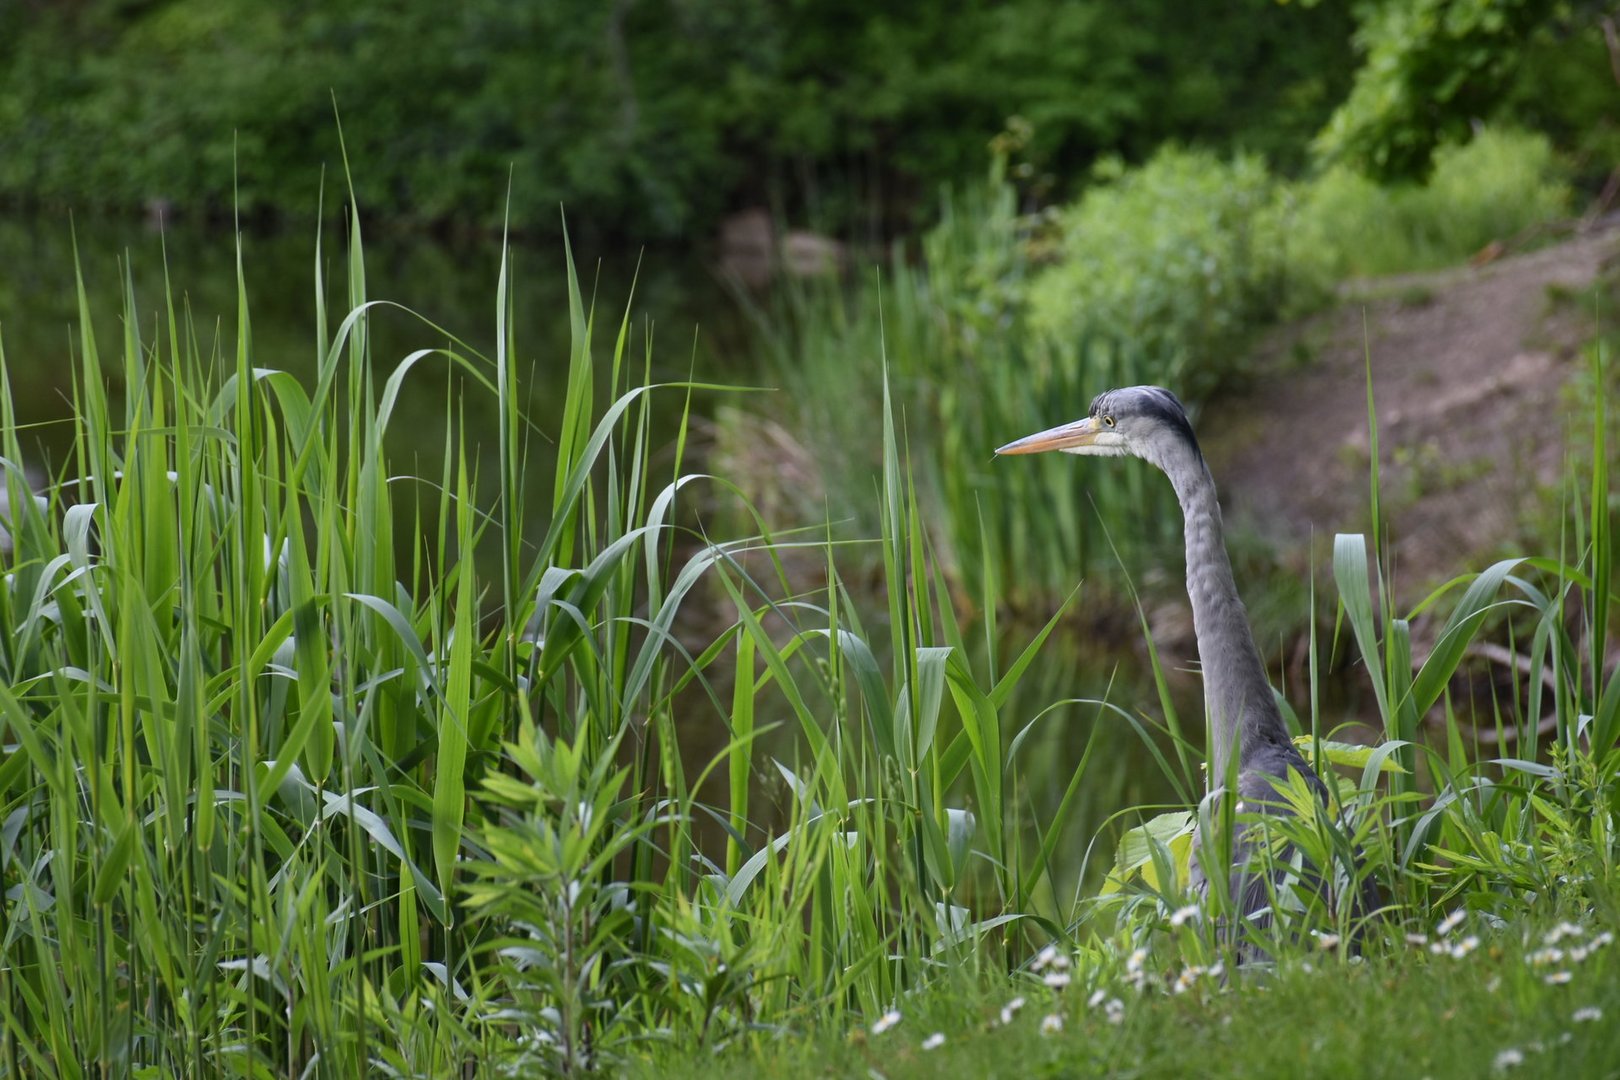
x=619 y=789
x=1410 y=1013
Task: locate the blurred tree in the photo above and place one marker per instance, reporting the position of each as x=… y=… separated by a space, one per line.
x=1431 y=69
x=645 y=118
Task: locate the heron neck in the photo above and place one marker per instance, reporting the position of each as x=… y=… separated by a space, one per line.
x=1241 y=712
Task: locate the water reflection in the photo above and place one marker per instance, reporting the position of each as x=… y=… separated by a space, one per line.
x=451 y=283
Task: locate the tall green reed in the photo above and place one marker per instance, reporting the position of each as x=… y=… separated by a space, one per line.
x=968 y=373
x=293 y=784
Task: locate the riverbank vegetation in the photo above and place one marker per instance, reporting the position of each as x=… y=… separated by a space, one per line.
x=1166 y=273
x=625 y=719
x=280 y=802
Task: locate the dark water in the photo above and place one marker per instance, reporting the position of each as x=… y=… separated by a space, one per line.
x=696 y=328
x=451 y=284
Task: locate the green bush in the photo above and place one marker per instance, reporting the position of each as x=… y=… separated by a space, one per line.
x=1181 y=257
x=1500 y=184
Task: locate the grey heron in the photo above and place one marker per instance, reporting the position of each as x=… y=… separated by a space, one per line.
x=1149 y=422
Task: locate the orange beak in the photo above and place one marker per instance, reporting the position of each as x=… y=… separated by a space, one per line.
x=1062 y=437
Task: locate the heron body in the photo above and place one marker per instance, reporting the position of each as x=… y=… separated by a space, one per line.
x=1245 y=724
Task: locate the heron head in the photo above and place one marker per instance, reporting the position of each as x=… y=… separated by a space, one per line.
x=1148 y=422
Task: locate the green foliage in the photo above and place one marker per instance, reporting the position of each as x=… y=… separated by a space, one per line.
x=1182 y=258
x=279 y=801
x=968 y=374
x=276 y=801
x=645 y=119
x=1431 y=68
x=1492 y=188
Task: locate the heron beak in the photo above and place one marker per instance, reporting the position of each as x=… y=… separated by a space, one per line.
x=1079 y=433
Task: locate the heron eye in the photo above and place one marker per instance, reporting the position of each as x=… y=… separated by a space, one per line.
x=1109 y=420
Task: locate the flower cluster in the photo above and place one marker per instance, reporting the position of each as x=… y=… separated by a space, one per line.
x=1112 y=1007
x=1136 y=972
x=1055 y=964
x=1192 y=973
x=1551 y=955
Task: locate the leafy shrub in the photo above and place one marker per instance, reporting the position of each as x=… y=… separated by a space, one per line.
x=1495 y=186
x=1181 y=257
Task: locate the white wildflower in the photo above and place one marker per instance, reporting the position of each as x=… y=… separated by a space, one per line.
x=1010 y=1010
x=1508 y=1059
x=934 y=1041
x=1579 y=953
x=1557 y=978
x=1115 y=1010
x=1057 y=980
x=1181 y=915
x=1605 y=938
x=886 y=1021
x=1216 y=969
x=1134 y=963
x=1051 y=1024
x=1587 y=1014
x=1327 y=941
x=1464 y=947
x=1451 y=922
x=1545 y=957
x=1417 y=939
x=1046 y=956
x=1563 y=930
x=1096 y=998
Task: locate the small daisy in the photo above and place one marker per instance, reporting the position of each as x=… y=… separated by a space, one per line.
x=1057 y=980
x=1557 y=978
x=1010 y=1010
x=1096 y=998
x=1417 y=939
x=1451 y=922
x=1115 y=1011
x=1587 y=1014
x=1181 y=915
x=1051 y=1024
x=1508 y=1059
x=1545 y=957
x=886 y=1021
x=1464 y=947
x=934 y=1041
x=1327 y=941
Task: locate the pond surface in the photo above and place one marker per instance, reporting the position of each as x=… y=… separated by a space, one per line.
x=452 y=284
x=697 y=329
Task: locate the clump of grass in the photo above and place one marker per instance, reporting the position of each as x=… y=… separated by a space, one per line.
x=279 y=800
